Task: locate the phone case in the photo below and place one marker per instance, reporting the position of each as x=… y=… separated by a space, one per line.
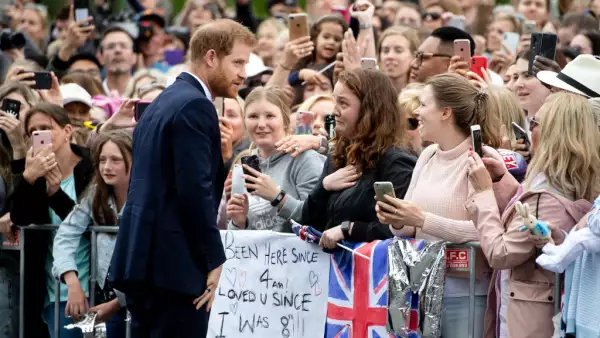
x=368 y=63
x=462 y=48
x=511 y=40
x=304 y=122
x=237 y=180
x=253 y=162
x=298 y=26
x=41 y=139
x=520 y=133
x=477 y=141
x=529 y=27
x=382 y=189
x=478 y=62
x=140 y=108
x=11 y=107
x=548 y=46
x=330 y=125
x=43 y=80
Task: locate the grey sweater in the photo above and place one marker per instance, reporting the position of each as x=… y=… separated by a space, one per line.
x=297 y=177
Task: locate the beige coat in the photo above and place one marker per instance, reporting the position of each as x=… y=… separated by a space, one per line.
x=531 y=289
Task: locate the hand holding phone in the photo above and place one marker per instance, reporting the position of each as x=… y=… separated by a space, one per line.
x=511 y=41
x=368 y=63
x=12 y=107
x=140 y=108
x=382 y=189
x=298 y=26
x=43 y=80
x=477 y=63
x=41 y=139
x=253 y=162
x=462 y=48
x=520 y=133
x=477 y=140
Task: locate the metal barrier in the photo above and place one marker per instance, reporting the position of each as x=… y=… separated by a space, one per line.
x=94 y=230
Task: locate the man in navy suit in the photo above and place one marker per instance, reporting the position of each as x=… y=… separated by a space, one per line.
x=169 y=254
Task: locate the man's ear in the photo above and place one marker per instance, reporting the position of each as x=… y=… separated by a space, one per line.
x=211 y=58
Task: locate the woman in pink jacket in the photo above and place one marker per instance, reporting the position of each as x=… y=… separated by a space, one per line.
x=562 y=179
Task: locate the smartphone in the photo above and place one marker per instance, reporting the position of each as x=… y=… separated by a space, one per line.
x=174 y=57
x=462 y=48
x=382 y=189
x=40 y=139
x=43 y=80
x=12 y=107
x=304 y=122
x=520 y=133
x=529 y=27
x=511 y=40
x=330 y=125
x=477 y=139
x=298 y=25
x=253 y=162
x=457 y=21
x=478 y=62
x=220 y=106
x=368 y=63
x=140 y=108
x=81 y=10
x=543 y=44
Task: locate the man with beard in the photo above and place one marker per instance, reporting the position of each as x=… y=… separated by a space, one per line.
x=168 y=254
x=116 y=54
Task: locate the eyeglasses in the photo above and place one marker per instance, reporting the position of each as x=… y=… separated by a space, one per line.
x=148 y=87
x=419 y=56
x=431 y=16
x=533 y=122
x=413 y=123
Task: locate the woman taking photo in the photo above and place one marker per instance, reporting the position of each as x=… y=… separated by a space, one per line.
x=559 y=187
x=100 y=206
x=284 y=182
x=54 y=178
x=370 y=146
x=433 y=207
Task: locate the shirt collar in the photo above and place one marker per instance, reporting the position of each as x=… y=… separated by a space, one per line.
x=206 y=91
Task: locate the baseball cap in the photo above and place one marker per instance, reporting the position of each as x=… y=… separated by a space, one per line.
x=72 y=92
x=150 y=15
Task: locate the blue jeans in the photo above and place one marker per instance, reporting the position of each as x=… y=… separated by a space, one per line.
x=455 y=320
x=48 y=316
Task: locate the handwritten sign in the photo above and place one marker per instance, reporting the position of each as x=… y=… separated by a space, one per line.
x=272 y=285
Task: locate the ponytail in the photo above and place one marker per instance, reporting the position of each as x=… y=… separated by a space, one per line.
x=486 y=114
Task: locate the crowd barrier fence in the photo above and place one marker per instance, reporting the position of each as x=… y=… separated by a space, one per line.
x=94 y=230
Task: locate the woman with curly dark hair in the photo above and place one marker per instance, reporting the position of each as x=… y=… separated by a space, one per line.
x=370 y=146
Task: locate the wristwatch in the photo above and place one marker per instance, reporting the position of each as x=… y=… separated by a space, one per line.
x=346 y=229
x=278 y=198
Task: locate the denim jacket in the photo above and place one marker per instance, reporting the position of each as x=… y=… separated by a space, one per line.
x=69 y=233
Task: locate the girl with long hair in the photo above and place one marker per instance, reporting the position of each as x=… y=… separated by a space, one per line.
x=101 y=204
x=370 y=145
x=433 y=206
x=562 y=180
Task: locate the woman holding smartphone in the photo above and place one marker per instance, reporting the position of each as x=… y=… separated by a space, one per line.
x=433 y=207
x=54 y=177
x=559 y=187
x=370 y=146
x=283 y=182
x=100 y=206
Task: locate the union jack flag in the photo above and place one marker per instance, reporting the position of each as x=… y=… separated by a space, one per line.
x=358 y=292
x=306 y=233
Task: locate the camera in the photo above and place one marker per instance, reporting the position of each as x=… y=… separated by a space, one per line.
x=11 y=40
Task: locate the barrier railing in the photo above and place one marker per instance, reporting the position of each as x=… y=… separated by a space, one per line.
x=94 y=230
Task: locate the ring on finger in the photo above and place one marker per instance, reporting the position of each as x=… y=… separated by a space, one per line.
x=296 y=148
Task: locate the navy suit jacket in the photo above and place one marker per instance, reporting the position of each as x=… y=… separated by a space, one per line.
x=168 y=237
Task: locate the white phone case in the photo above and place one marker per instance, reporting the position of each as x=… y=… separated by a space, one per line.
x=237 y=180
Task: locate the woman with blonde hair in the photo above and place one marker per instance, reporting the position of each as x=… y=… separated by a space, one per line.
x=34 y=22
x=277 y=192
x=143 y=77
x=395 y=51
x=408 y=101
x=450 y=105
x=320 y=105
x=509 y=111
x=267 y=34
x=562 y=180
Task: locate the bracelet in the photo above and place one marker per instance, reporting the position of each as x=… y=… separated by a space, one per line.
x=285 y=67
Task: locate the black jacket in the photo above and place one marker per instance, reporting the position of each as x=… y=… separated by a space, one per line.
x=323 y=209
x=29 y=205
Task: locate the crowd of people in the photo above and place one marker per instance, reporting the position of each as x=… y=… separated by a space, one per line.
x=373 y=92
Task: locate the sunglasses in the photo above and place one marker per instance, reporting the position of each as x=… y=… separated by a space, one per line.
x=431 y=16
x=413 y=123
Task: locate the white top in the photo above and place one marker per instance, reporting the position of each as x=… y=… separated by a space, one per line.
x=206 y=91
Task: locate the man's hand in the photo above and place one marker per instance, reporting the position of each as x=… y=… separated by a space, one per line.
x=212 y=282
x=53 y=94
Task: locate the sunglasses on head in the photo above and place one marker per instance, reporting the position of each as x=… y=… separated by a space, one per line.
x=431 y=16
x=413 y=123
